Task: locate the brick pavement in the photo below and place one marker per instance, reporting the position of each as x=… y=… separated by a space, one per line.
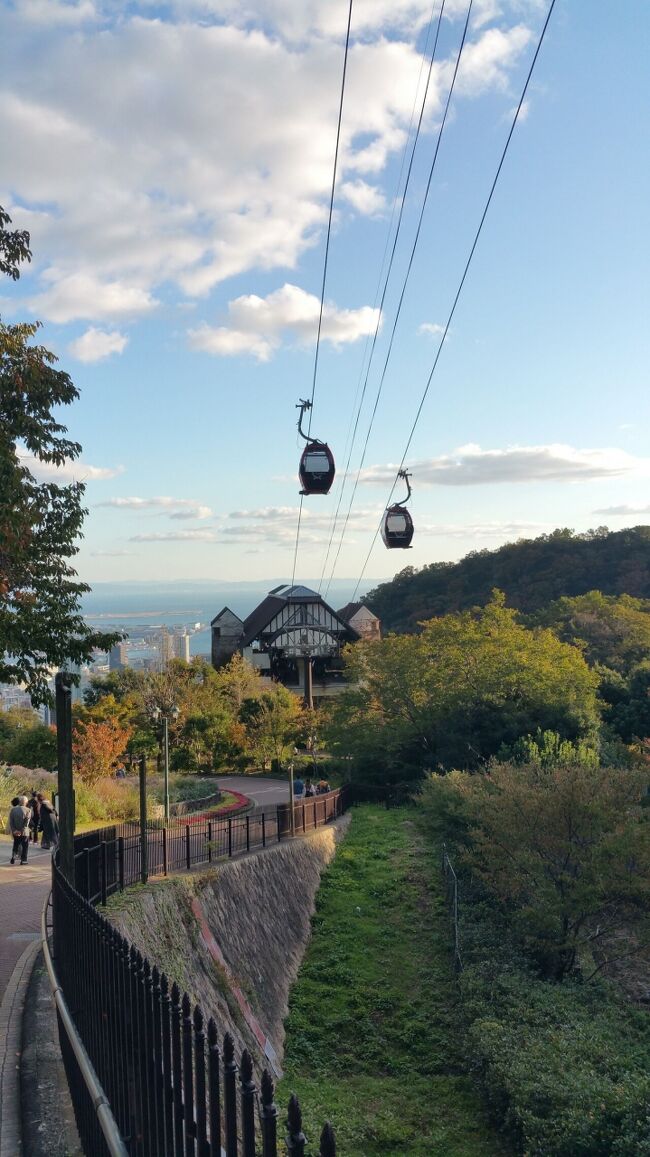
x=23 y=891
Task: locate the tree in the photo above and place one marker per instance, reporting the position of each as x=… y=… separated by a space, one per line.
x=613 y=630
x=563 y=849
x=25 y=741
x=274 y=722
x=98 y=748
x=41 y=625
x=452 y=695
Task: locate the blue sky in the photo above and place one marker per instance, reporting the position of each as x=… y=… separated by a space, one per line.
x=173 y=164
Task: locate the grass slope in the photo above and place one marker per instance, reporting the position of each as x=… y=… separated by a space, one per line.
x=374 y=1036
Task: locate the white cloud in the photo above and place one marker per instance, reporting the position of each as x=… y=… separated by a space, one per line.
x=623 y=510
x=96 y=344
x=175 y=507
x=69 y=472
x=259 y=323
x=177 y=536
x=52 y=12
x=431 y=328
x=471 y=466
x=113 y=554
x=82 y=295
x=276 y=525
x=366 y=199
x=507 y=530
x=143 y=154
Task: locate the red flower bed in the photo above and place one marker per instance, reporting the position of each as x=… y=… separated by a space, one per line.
x=240 y=801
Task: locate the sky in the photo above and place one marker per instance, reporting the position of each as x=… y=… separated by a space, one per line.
x=173 y=163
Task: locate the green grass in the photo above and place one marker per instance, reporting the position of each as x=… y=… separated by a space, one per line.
x=374 y=1033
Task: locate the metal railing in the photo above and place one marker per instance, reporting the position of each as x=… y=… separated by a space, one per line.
x=110 y=859
x=148 y=1077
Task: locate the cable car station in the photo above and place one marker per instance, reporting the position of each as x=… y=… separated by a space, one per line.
x=292 y=636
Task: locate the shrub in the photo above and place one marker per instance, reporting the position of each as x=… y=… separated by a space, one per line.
x=565 y=1068
x=559 y=848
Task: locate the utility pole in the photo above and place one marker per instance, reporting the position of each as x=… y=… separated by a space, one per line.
x=63 y=700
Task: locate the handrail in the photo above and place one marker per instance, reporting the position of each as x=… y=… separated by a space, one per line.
x=100 y=1103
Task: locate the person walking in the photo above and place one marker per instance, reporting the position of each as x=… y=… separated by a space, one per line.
x=19 y=817
x=49 y=822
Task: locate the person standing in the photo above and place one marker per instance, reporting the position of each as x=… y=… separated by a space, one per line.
x=48 y=822
x=19 y=817
x=35 y=807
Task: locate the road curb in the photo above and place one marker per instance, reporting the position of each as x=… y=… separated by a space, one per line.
x=11 y=1027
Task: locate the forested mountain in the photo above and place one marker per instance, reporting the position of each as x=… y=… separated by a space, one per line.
x=531 y=572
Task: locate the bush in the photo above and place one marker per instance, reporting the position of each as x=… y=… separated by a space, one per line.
x=559 y=848
x=564 y=1067
x=107 y=799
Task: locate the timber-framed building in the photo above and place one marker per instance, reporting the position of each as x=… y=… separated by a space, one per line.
x=293 y=636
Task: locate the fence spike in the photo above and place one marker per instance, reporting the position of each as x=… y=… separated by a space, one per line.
x=268 y=1088
x=198 y=1019
x=228 y=1049
x=164 y=983
x=176 y=994
x=186 y=1005
x=213 y=1036
x=296 y=1139
x=246 y=1067
x=155 y=975
x=327 y=1141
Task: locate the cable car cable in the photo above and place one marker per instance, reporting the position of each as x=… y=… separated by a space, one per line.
x=390 y=265
x=327 y=247
x=403 y=292
x=464 y=276
x=331 y=209
x=349 y=443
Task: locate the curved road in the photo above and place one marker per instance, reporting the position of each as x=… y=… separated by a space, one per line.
x=263 y=792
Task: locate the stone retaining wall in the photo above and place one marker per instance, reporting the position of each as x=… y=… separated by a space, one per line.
x=233 y=937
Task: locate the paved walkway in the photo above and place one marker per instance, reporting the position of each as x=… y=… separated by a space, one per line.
x=263 y=792
x=23 y=891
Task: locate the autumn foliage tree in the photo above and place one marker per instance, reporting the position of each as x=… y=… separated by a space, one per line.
x=98 y=748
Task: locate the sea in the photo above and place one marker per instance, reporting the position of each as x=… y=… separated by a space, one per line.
x=134 y=606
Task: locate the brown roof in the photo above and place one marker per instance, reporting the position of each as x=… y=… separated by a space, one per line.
x=269 y=607
x=350 y=609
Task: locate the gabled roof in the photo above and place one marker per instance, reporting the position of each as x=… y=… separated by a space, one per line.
x=257 y=620
x=225 y=611
x=350 y=609
x=279 y=597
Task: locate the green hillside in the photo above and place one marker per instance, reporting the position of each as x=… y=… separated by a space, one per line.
x=532 y=572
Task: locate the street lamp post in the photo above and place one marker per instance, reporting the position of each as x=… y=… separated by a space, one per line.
x=159 y=714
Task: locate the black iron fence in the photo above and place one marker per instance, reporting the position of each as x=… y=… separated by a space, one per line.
x=110 y=859
x=148 y=1076
x=174 y=1088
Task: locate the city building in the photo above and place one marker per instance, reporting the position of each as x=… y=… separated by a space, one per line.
x=118 y=656
x=182 y=646
x=292 y=636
